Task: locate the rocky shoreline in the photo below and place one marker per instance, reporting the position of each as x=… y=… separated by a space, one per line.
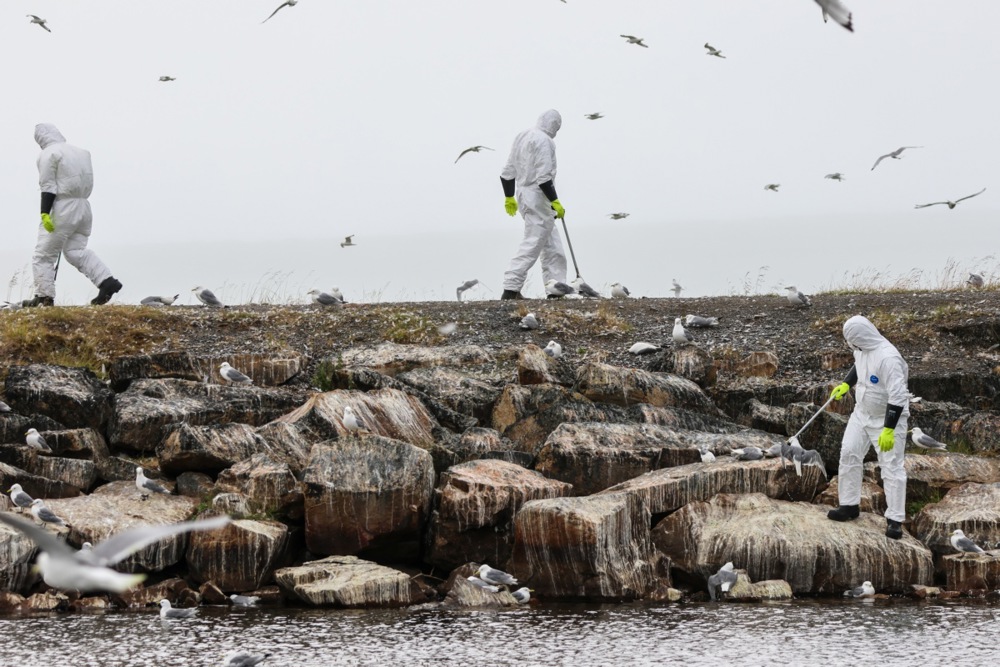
x=580 y=475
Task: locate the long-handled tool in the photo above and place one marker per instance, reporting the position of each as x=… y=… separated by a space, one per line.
x=794 y=440
x=570 y=244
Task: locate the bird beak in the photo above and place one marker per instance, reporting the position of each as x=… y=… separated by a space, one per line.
x=35 y=569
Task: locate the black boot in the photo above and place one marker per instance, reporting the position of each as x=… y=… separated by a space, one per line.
x=39 y=301
x=509 y=294
x=844 y=513
x=108 y=288
x=893 y=529
x=554 y=296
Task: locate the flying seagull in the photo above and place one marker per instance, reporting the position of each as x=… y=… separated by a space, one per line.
x=19 y=497
x=166 y=611
x=837 y=11
x=680 y=335
x=286 y=3
x=473 y=149
x=347 y=241
x=773 y=187
x=865 y=590
x=553 y=349
x=159 y=300
x=467 y=285
x=924 y=441
x=835 y=176
x=951 y=204
x=89 y=570
x=324 y=299
x=618 y=216
x=234 y=376
x=496 y=577
x=677 y=289
x=593 y=116
x=975 y=281
x=722 y=580
x=619 y=291
x=964 y=544
x=797 y=298
x=168 y=78
x=631 y=39
x=895 y=155
x=39 y=21
x=712 y=51
x=36 y=441
x=147 y=486
x=207 y=297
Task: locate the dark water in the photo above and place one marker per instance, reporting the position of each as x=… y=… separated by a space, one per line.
x=874 y=634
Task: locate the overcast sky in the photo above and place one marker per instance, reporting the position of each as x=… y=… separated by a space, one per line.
x=345 y=117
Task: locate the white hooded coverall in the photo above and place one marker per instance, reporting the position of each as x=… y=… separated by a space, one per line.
x=532 y=161
x=882 y=379
x=65 y=171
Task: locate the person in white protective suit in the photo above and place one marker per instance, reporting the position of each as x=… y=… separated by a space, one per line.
x=879 y=419
x=66 y=179
x=530 y=173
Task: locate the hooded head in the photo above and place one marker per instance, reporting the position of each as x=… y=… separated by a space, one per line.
x=861 y=334
x=549 y=122
x=47 y=134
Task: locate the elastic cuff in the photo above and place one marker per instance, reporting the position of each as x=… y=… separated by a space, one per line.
x=852 y=377
x=508 y=186
x=48 y=199
x=549 y=190
x=892 y=415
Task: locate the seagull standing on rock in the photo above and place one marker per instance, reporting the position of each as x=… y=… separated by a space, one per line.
x=581 y=286
x=351 y=421
x=20 y=499
x=924 y=441
x=722 y=580
x=706 y=455
x=522 y=595
x=963 y=544
x=324 y=299
x=207 y=297
x=797 y=298
x=36 y=441
x=147 y=486
x=494 y=576
x=43 y=514
x=529 y=322
x=680 y=334
x=619 y=291
x=233 y=376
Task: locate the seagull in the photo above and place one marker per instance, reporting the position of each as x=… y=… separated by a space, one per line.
x=805 y=457
x=207 y=297
x=286 y=3
x=493 y=576
x=677 y=287
x=448 y=328
x=593 y=116
x=244 y=659
x=680 y=335
x=618 y=216
x=619 y=291
x=835 y=176
x=467 y=285
x=924 y=441
x=712 y=51
x=634 y=40
x=19 y=497
x=227 y=372
x=43 y=514
x=529 y=321
x=706 y=455
x=324 y=299
x=36 y=441
x=962 y=543
x=553 y=349
x=748 y=454
x=337 y=294
x=476 y=581
x=773 y=187
x=581 y=287
x=865 y=590
x=895 y=155
x=39 y=21
x=166 y=611
x=557 y=288
x=89 y=570
x=523 y=594
x=837 y=10
x=797 y=298
x=351 y=421
x=696 y=321
x=643 y=348
x=723 y=579
x=975 y=280
x=951 y=204
x=4 y=407
x=473 y=149
x=347 y=241
x=244 y=600
x=159 y=300
x=147 y=486
x=168 y=78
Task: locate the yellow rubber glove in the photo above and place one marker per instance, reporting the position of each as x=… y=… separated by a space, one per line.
x=560 y=211
x=510 y=205
x=886 y=439
x=840 y=391
x=47 y=223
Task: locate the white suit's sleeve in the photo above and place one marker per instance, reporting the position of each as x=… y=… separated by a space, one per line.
x=48 y=165
x=895 y=373
x=545 y=161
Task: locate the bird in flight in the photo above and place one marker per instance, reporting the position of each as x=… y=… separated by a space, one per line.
x=593 y=116
x=773 y=187
x=951 y=204
x=286 y=3
x=167 y=78
x=895 y=155
x=39 y=21
x=474 y=149
x=835 y=176
x=635 y=40
x=712 y=51
x=836 y=10
x=347 y=241
x=676 y=289
x=618 y=216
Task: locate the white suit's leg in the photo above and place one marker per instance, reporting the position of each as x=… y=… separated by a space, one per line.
x=43 y=262
x=553 y=257
x=894 y=474
x=85 y=260
x=536 y=236
x=853 y=448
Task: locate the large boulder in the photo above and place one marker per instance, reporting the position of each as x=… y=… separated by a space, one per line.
x=392 y=359
x=240 y=557
x=681 y=419
x=594 y=548
x=603 y=383
x=208 y=448
x=287 y=444
x=475 y=504
x=267 y=370
x=536 y=367
x=667 y=490
x=530 y=433
x=695 y=364
x=369 y=496
x=965 y=572
x=347 y=581
x=72 y=396
x=773 y=539
x=13 y=426
x=482 y=443
x=270 y=486
x=77 y=473
x=972 y=508
x=872 y=496
x=16 y=555
x=459 y=391
x=35 y=486
x=930 y=476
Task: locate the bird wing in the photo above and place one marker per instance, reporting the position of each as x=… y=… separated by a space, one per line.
x=971 y=196
x=234 y=375
x=629 y=36
x=467 y=150
x=347 y=239
x=327 y=300
x=836 y=10
x=45 y=514
x=209 y=297
x=928 y=441
x=153 y=486
x=965 y=544
x=45 y=540
x=284 y=4
x=931 y=204
x=879 y=160
x=625 y=289
x=123 y=545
